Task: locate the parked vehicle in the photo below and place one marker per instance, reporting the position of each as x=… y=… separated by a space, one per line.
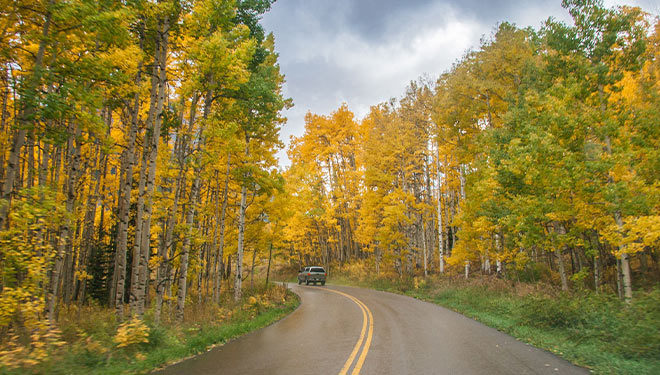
x=312 y=274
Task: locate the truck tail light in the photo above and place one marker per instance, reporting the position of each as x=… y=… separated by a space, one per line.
x=309 y=274
x=326 y=274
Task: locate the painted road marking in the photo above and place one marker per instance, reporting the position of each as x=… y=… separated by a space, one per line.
x=358 y=365
x=367 y=321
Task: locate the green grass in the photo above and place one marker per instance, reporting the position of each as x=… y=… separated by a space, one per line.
x=596 y=331
x=167 y=344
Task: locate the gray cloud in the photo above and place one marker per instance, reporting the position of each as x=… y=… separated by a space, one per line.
x=364 y=52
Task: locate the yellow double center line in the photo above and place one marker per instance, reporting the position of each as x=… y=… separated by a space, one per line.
x=367 y=321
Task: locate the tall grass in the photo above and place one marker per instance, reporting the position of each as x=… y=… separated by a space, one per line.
x=90 y=331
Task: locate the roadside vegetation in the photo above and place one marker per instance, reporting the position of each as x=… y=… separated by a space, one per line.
x=92 y=341
x=593 y=330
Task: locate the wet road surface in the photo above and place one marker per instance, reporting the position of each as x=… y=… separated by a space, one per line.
x=344 y=330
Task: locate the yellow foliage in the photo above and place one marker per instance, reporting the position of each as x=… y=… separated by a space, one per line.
x=83 y=275
x=132 y=332
x=42 y=342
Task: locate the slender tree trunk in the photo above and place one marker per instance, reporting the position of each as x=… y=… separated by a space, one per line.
x=191 y=211
x=145 y=240
x=441 y=244
x=63 y=240
x=377 y=251
x=560 y=259
x=221 y=242
x=424 y=248
x=149 y=139
x=4 y=114
x=270 y=256
x=124 y=199
x=626 y=279
x=199 y=277
x=30 y=160
x=185 y=252
x=619 y=278
x=241 y=233
x=254 y=258
x=163 y=283
x=88 y=226
x=25 y=118
x=449 y=213
x=596 y=273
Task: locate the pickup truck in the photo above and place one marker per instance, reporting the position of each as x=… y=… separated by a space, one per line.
x=312 y=275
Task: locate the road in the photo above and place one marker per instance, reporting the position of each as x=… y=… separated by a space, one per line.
x=344 y=330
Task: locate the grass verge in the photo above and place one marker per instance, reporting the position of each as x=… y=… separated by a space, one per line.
x=91 y=344
x=596 y=331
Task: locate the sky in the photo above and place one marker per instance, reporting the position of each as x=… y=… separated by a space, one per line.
x=364 y=52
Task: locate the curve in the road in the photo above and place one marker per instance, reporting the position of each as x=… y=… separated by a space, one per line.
x=368 y=320
x=410 y=337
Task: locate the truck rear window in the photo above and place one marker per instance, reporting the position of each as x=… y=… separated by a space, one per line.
x=317 y=269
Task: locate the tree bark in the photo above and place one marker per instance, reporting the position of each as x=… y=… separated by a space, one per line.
x=65 y=230
x=626 y=279
x=221 y=242
x=441 y=244
x=124 y=199
x=88 y=226
x=270 y=256
x=241 y=233
x=254 y=258
x=145 y=240
x=185 y=252
x=424 y=248
x=25 y=117
x=560 y=259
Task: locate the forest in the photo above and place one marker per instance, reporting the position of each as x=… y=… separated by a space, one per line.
x=138 y=138
x=139 y=176
x=536 y=155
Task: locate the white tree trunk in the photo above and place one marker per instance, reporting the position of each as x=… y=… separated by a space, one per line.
x=73 y=158
x=239 y=254
x=596 y=273
x=241 y=232
x=424 y=248
x=626 y=279
x=221 y=242
x=145 y=240
x=185 y=251
x=441 y=243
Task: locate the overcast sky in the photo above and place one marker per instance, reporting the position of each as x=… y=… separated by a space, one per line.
x=364 y=52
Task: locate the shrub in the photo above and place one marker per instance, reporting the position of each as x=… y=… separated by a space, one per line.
x=131 y=333
x=548 y=312
x=639 y=333
x=42 y=343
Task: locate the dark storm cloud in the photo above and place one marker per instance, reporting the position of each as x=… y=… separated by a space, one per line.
x=363 y=52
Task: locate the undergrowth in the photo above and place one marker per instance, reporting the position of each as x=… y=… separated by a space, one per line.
x=95 y=343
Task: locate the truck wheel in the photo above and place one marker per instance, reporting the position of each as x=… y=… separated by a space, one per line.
x=299 y=281
x=322 y=282
x=307 y=282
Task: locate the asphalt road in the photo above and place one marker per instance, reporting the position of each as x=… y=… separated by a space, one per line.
x=343 y=330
